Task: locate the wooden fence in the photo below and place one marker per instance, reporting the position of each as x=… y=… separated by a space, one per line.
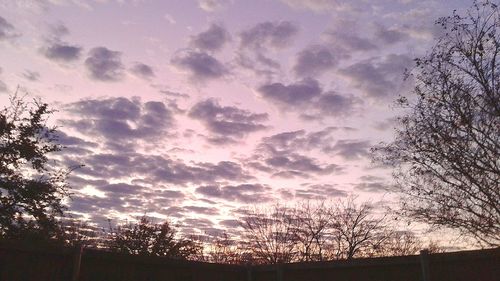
x=27 y=263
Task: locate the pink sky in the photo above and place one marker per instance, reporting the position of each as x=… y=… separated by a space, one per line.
x=192 y=110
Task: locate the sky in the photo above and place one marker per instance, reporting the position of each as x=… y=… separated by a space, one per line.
x=193 y=110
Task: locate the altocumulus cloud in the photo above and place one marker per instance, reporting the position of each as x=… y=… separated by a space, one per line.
x=307 y=97
x=213 y=39
x=379 y=78
x=61 y=52
x=200 y=65
x=142 y=70
x=315 y=60
x=112 y=118
x=7 y=30
x=104 y=64
x=245 y=193
x=227 y=121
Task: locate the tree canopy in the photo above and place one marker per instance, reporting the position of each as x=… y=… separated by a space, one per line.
x=31 y=190
x=447 y=147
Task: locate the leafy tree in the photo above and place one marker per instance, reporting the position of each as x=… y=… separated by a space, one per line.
x=447 y=148
x=150 y=239
x=31 y=190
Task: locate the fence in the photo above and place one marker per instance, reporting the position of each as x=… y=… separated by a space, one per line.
x=21 y=262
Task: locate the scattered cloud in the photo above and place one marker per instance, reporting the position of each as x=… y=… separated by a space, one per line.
x=200 y=65
x=245 y=193
x=283 y=155
x=370 y=183
x=269 y=34
x=120 y=119
x=227 y=121
x=61 y=52
x=7 y=30
x=142 y=70
x=213 y=39
x=213 y=5
x=379 y=78
x=31 y=75
x=296 y=94
x=314 y=60
x=307 y=97
x=389 y=36
x=104 y=64
x=351 y=149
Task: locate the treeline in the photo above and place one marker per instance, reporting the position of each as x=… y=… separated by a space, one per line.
x=305 y=232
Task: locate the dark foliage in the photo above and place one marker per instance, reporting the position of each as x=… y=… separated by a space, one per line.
x=150 y=239
x=31 y=190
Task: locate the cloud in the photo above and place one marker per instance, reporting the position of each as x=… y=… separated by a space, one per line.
x=7 y=30
x=373 y=184
x=104 y=64
x=61 y=52
x=227 y=121
x=213 y=39
x=351 y=149
x=307 y=97
x=282 y=155
x=316 y=5
x=212 y=5
x=56 y=49
x=345 y=39
x=319 y=192
x=58 y=30
x=295 y=94
x=245 y=193
x=314 y=60
x=201 y=66
x=31 y=75
x=142 y=70
x=389 y=36
x=258 y=41
x=269 y=34
x=378 y=78
x=3 y=87
x=120 y=119
x=333 y=104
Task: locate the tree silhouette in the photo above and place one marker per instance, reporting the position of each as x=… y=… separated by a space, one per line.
x=31 y=191
x=150 y=239
x=447 y=148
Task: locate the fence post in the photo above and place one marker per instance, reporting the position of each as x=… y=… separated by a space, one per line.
x=279 y=272
x=424 y=264
x=77 y=261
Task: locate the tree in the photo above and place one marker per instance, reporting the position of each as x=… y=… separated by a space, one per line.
x=150 y=239
x=446 y=151
x=32 y=190
x=357 y=231
x=308 y=232
x=271 y=234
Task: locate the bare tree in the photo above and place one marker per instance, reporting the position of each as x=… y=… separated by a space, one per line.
x=446 y=152
x=314 y=232
x=356 y=229
x=271 y=234
x=225 y=250
x=398 y=243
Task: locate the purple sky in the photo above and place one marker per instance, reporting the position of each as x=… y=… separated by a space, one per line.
x=192 y=110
